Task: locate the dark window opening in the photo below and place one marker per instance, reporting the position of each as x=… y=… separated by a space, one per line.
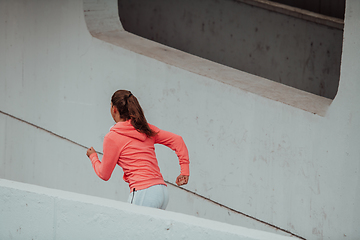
x=299 y=53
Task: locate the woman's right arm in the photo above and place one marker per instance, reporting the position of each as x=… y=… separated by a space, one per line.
x=105 y=168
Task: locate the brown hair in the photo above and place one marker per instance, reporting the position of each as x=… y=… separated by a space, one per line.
x=129 y=108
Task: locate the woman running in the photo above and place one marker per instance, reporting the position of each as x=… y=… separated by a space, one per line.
x=130 y=144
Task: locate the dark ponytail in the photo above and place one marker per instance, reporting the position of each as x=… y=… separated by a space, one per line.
x=129 y=108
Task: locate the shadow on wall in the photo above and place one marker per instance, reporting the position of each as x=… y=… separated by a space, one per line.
x=296 y=52
x=332 y=8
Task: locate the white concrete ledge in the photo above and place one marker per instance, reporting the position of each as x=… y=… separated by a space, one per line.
x=33 y=212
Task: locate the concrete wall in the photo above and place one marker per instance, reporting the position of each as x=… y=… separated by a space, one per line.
x=333 y=8
x=255 y=146
x=32 y=212
x=299 y=53
x=42 y=158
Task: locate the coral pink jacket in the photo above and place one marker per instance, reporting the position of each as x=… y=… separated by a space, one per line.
x=134 y=152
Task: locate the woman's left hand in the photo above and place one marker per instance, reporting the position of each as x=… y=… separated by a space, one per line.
x=90 y=151
x=182 y=180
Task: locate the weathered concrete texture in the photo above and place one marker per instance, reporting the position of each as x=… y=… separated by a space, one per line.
x=256 y=149
x=33 y=212
x=334 y=8
x=42 y=150
x=285 y=49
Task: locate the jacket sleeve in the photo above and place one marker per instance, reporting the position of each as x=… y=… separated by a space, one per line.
x=105 y=168
x=177 y=144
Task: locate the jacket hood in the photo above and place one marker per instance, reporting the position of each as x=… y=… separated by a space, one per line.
x=126 y=129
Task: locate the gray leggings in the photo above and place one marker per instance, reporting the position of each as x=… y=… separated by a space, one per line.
x=156 y=196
